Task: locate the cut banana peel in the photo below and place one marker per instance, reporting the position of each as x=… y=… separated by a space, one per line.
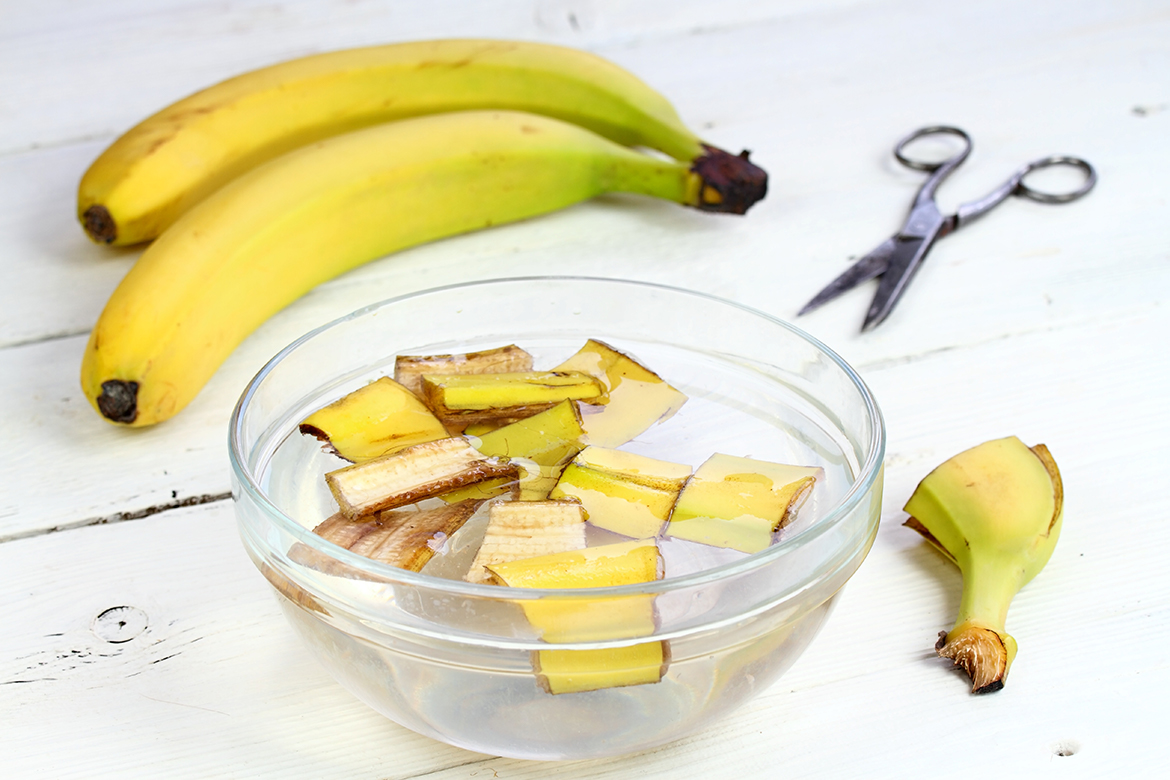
x=740 y=503
x=290 y=590
x=411 y=475
x=548 y=438
x=540 y=446
x=489 y=488
x=586 y=620
x=410 y=369
x=462 y=398
x=378 y=419
x=623 y=492
x=635 y=397
x=526 y=529
x=271 y=235
x=995 y=510
x=162 y=167
x=405 y=539
x=575 y=671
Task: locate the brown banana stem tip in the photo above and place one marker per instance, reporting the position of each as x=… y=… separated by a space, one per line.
x=119 y=401
x=99 y=224
x=980 y=653
x=731 y=183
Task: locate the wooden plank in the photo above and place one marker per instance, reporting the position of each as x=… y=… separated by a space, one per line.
x=214 y=665
x=836 y=190
x=149 y=54
x=1047 y=322
x=213 y=685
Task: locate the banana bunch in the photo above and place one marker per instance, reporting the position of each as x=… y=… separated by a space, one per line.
x=262 y=187
x=995 y=511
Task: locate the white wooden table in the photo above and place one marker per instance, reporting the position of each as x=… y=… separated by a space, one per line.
x=1046 y=322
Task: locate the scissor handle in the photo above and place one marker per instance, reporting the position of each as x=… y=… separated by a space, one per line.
x=919 y=165
x=925 y=212
x=1016 y=186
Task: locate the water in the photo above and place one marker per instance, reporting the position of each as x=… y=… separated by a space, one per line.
x=442 y=664
x=731 y=409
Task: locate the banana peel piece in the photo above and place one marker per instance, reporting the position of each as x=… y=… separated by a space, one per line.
x=540 y=445
x=405 y=539
x=413 y=474
x=378 y=419
x=995 y=511
x=576 y=671
x=410 y=369
x=623 y=492
x=587 y=620
x=461 y=399
x=635 y=397
x=740 y=503
x=526 y=529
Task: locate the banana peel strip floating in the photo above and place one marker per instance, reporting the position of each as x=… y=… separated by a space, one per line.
x=460 y=399
x=635 y=397
x=740 y=503
x=413 y=474
x=409 y=370
x=527 y=529
x=405 y=539
x=540 y=446
x=592 y=620
x=378 y=419
x=623 y=492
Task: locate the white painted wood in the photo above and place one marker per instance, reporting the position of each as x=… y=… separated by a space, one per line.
x=1047 y=322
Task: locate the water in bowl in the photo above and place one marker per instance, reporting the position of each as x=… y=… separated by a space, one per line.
x=732 y=408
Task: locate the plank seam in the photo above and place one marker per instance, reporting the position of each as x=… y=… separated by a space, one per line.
x=119 y=517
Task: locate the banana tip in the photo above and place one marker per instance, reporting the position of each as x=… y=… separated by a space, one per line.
x=731 y=182
x=118 y=401
x=99 y=224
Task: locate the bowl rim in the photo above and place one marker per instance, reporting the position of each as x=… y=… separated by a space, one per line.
x=869 y=471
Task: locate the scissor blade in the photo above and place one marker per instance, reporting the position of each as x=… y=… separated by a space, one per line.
x=873 y=264
x=903 y=263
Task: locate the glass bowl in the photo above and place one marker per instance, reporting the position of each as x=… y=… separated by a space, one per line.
x=454 y=660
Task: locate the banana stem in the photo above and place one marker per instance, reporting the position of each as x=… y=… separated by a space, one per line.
x=988 y=589
x=978 y=642
x=715 y=181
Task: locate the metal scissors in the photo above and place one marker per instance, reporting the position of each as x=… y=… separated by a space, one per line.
x=898 y=258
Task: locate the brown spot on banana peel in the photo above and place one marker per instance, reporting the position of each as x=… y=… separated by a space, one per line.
x=731 y=183
x=99 y=224
x=118 y=401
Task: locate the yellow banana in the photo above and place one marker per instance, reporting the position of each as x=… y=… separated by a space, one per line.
x=177 y=157
x=995 y=510
x=271 y=235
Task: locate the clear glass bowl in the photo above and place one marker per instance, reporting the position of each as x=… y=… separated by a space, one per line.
x=454 y=660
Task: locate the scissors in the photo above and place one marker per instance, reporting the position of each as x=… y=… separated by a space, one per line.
x=898 y=258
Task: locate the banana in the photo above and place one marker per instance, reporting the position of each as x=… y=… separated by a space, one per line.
x=995 y=510
x=271 y=235
x=160 y=168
